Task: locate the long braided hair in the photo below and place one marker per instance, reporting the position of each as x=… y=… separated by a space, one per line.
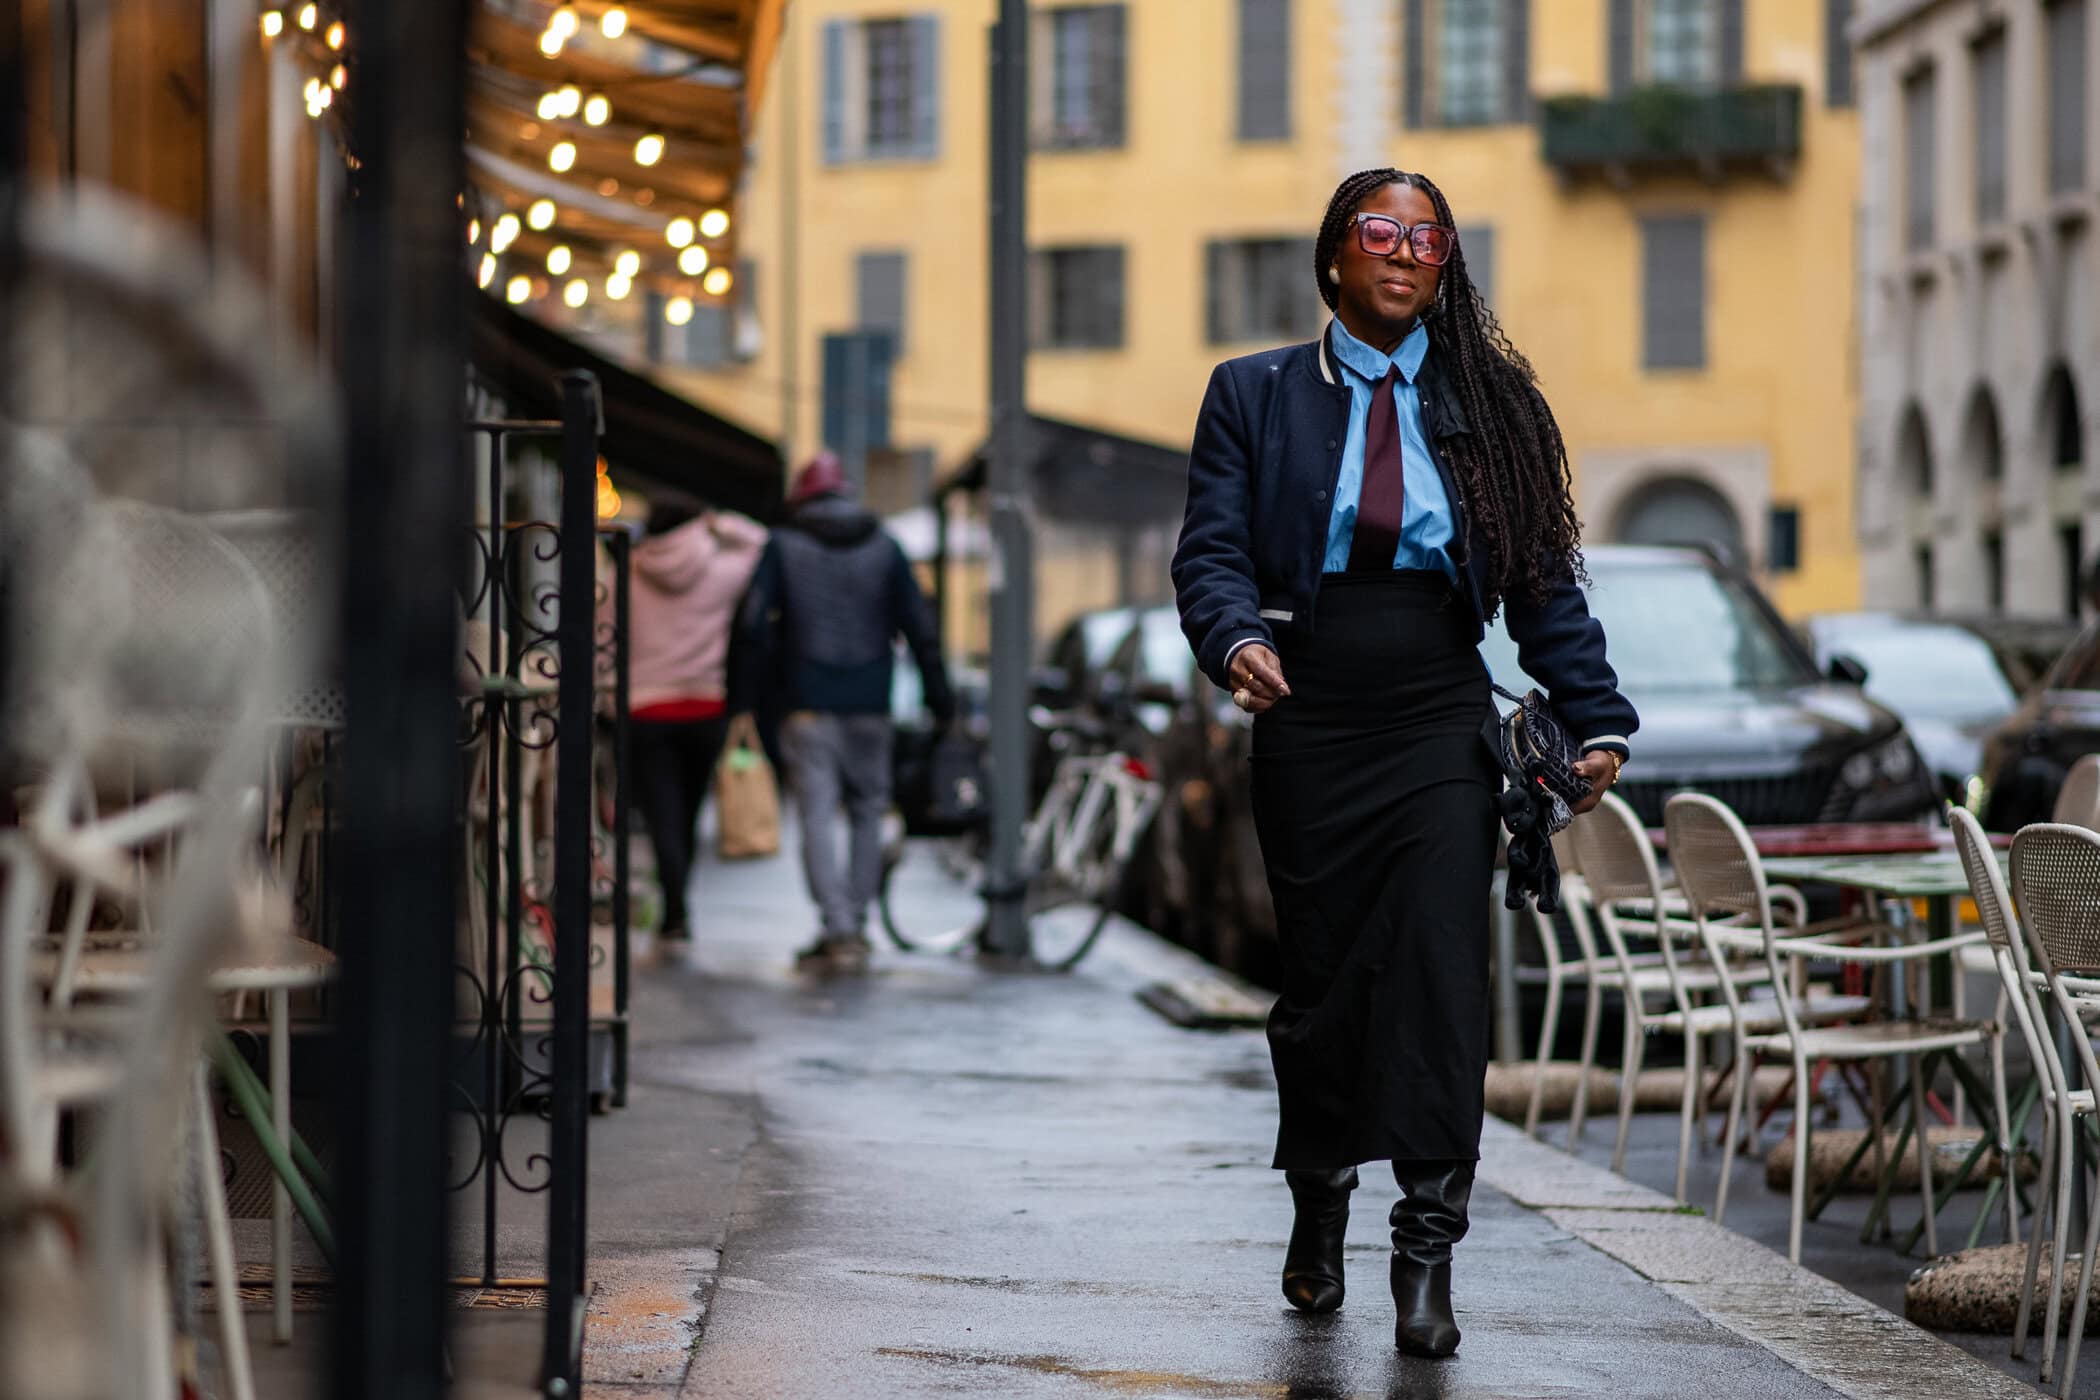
x=1512 y=469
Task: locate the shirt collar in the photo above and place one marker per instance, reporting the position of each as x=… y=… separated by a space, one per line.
x=1372 y=364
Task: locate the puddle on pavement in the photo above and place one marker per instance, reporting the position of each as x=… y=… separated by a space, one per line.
x=1116 y=1382
x=1025 y=1286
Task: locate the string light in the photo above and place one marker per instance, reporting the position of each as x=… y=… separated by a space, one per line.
x=473 y=230
x=558 y=259
x=563 y=22
x=504 y=233
x=488 y=270
x=309 y=16
x=571 y=99
x=679 y=232
x=541 y=215
x=272 y=23
x=613 y=23
x=608 y=187
x=562 y=157
x=649 y=149
x=714 y=223
x=517 y=289
x=597 y=109
x=608 y=499
x=678 y=310
x=338 y=77
x=576 y=293
x=312 y=91
x=550 y=44
x=617 y=287
x=549 y=106
x=693 y=261
x=717 y=282
x=336 y=34
x=627 y=263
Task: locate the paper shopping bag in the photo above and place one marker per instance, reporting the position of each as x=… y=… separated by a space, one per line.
x=747 y=801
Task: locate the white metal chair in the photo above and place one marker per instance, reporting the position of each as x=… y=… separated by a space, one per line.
x=1631 y=899
x=1720 y=871
x=2078 y=800
x=2056 y=888
x=2020 y=986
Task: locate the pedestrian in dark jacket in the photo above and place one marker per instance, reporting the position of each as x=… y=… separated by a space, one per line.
x=832 y=595
x=1357 y=508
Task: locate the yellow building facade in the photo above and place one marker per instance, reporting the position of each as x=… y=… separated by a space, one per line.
x=1658 y=194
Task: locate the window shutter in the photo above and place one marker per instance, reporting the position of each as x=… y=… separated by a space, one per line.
x=1042 y=330
x=1108 y=325
x=835 y=91
x=1837 y=53
x=1217 y=261
x=1478 y=246
x=1042 y=78
x=1731 y=42
x=926 y=86
x=1620 y=42
x=1988 y=127
x=1516 y=60
x=2067 y=83
x=881 y=278
x=1111 y=103
x=1265 y=70
x=1920 y=197
x=1673 y=281
x=1414 y=43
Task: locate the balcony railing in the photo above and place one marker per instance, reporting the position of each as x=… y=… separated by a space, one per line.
x=1672 y=128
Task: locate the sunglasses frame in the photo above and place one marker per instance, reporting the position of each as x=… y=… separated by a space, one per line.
x=1407 y=236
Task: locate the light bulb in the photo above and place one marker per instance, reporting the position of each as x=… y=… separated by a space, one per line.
x=577 y=292
x=562 y=156
x=628 y=263
x=563 y=22
x=309 y=16
x=678 y=310
x=571 y=99
x=558 y=259
x=504 y=233
x=272 y=23
x=325 y=96
x=549 y=107
x=608 y=499
x=336 y=34
x=714 y=223
x=617 y=287
x=517 y=289
x=312 y=91
x=717 y=281
x=649 y=149
x=540 y=215
x=488 y=270
x=473 y=230
x=679 y=232
x=550 y=43
x=338 y=77
x=613 y=23
x=693 y=261
x=597 y=109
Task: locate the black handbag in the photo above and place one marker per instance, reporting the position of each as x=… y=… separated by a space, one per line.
x=939 y=783
x=1537 y=757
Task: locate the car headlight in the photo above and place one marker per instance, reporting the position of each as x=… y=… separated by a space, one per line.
x=1874 y=776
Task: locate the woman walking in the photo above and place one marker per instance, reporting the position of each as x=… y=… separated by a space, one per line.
x=1357 y=508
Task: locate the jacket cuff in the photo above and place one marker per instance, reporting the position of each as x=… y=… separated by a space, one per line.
x=1616 y=743
x=1252 y=639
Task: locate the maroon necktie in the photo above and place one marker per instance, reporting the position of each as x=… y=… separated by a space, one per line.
x=1380 y=505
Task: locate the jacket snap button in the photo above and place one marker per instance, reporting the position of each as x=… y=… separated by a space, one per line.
x=1330 y=444
x=1321 y=496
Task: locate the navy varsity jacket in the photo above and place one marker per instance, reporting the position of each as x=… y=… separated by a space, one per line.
x=1262 y=472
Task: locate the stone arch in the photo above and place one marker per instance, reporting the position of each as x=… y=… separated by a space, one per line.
x=1982 y=440
x=1678 y=508
x=1915 y=483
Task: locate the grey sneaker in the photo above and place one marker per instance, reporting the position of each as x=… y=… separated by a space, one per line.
x=833 y=955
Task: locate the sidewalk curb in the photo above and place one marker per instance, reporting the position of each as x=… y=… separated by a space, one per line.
x=1821 y=1330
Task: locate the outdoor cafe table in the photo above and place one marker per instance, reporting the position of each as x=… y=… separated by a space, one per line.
x=1934 y=876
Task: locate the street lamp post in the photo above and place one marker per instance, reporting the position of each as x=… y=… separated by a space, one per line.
x=1012 y=562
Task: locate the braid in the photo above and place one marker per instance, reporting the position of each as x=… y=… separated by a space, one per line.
x=1512 y=468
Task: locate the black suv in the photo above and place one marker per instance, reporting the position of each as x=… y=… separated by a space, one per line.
x=2024 y=763
x=1732 y=704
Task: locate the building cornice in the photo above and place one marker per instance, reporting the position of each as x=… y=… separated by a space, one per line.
x=1884 y=20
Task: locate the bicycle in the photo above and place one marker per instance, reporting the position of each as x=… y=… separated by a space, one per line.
x=1076 y=849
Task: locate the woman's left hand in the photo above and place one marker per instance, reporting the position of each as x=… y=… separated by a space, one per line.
x=1600 y=769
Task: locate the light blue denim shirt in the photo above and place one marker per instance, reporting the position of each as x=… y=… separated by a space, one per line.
x=1426 y=526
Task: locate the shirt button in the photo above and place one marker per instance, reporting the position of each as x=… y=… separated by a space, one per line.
x=1330 y=444
x=1321 y=496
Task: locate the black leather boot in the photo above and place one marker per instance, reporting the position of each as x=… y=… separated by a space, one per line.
x=1428 y=1221
x=1312 y=1266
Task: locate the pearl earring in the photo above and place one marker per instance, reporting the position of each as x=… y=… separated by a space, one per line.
x=1334 y=275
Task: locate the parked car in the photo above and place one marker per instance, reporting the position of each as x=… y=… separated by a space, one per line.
x=1732 y=704
x=1946 y=681
x=2025 y=761
x=2026 y=647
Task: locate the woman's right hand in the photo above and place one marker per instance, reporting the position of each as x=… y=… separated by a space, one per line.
x=1257 y=678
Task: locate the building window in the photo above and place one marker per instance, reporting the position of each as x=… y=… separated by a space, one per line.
x=1837 y=53
x=881 y=89
x=2066 y=428
x=1076 y=89
x=2070 y=542
x=1476 y=243
x=1261 y=289
x=1265 y=70
x=1987 y=70
x=1919 y=164
x=2067 y=21
x=1673 y=292
x=1676 y=43
x=1681 y=510
x=879 y=281
x=1922 y=558
x=1994 y=571
x=1468 y=62
x=1076 y=298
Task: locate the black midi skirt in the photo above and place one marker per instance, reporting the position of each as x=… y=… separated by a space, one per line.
x=1374 y=799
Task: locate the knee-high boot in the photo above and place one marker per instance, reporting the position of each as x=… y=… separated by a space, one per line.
x=1428 y=1221
x=1312 y=1266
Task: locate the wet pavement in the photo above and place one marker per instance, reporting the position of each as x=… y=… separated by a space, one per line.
x=939 y=1180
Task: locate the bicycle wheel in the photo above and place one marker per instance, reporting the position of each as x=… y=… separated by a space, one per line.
x=929 y=897
x=1068 y=912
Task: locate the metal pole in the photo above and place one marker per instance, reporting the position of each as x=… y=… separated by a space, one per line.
x=403 y=293
x=1012 y=567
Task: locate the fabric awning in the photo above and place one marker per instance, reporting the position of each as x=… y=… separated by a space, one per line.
x=1088 y=475
x=651 y=434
